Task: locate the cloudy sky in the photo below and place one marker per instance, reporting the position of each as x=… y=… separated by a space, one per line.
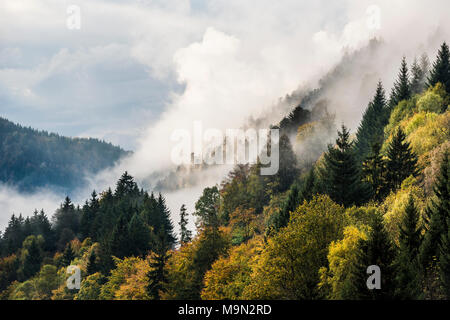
x=136 y=70
x=130 y=60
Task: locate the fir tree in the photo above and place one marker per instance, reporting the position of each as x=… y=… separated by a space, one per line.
x=374 y=172
x=417 y=78
x=444 y=261
x=92 y=266
x=376 y=250
x=138 y=236
x=158 y=275
x=408 y=271
x=68 y=256
x=185 y=233
x=401 y=90
x=342 y=174
x=33 y=259
x=374 y=120
x=401 y=161
x=437 y=216
x=441 y=68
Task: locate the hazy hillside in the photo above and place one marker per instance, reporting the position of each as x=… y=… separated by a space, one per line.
x=31 y=159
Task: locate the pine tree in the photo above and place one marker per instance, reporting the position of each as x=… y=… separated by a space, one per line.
x=408 y=271
x=92 y=266
x=158 y=275
x=401 y=161
x=126 y=186
x=374 y=120
x=444 y=261
x=402 y=89
x=441 y=68
x=373 y=170
x=342 y=174
x=167 y=224
x=139 y=236
x=287 y=171
x=185 y=233
x=68 y=256
x=282 y=218
x=437 y=216
x=376 y=250
x=33 y=259
x=417 y=78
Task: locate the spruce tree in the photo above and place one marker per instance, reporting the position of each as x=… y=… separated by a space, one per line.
x=407 y=267
x=33 y=259
x=185 y=233
x=342 y=174
x=401 y=161
x=158 y=275
x=374 y=120
x=401 y=90
x=68 y=255
x=376 y=250
x=437 y=215
x=444 y=261
x=374 y=173
x=440 y=71
x=139 y=236
x=92 y=266
x=417 y=77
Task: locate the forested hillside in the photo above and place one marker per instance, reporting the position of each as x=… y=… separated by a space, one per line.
x=31 y=159
x=377 y=196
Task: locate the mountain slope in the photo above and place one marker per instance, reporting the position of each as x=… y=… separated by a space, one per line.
x=31 y=159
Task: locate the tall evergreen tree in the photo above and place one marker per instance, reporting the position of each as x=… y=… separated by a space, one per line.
x=92 y=266
x=68 y=255
x=440 y=71
x=374 y=173
x=33 y=259
x=417 y=77
x=407 y=267
x=342 y=173
x=402 y=88
x=158 y=275
x=139 y=236
x=437 y=215
x=374 y=120
x=401 y=161
x=185 y=233
x=444 y=261
x=376 y=250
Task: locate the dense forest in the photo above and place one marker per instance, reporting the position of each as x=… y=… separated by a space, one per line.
x=31 y=159
x=378 y=196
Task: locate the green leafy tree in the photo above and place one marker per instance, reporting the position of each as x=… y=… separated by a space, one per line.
x=207 y=207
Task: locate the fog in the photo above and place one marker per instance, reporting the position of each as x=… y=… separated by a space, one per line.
x=235 y=60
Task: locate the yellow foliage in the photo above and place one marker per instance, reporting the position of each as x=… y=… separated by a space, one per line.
x=229 y=275
x=394 y=205
x=342 y=255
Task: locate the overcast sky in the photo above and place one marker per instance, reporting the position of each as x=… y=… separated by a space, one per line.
x=114 y=76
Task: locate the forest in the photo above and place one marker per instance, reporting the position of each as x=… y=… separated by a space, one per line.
x=376 y=196
x=31 y=159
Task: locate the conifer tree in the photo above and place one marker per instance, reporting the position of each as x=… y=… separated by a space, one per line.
x=376 y=250
x=68 y=255
x=401 y=90
x=342 y=174
x=401 y=161
x=440 y=71
x=417 y=78
x=374 y=120
x=158 y=275
x=139 y=236
x=374 y=172
x=185 y=233
x=33 y=259
x=92 y=266
x=407 y=267
x=444 y=261
x=437 y=216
